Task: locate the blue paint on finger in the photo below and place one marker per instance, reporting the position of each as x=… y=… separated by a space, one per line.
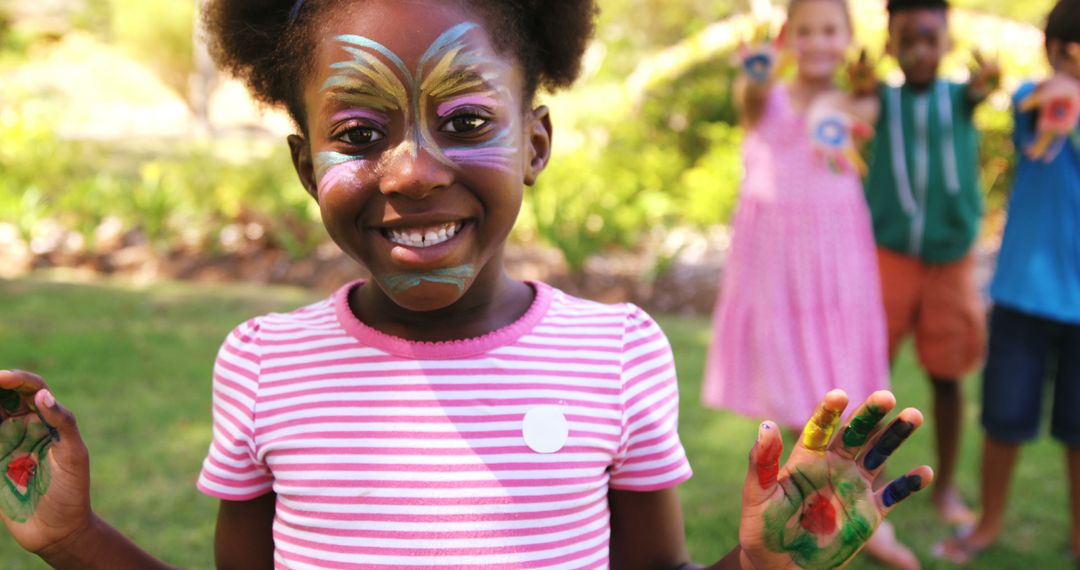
x=890 y=440
x=900 y=488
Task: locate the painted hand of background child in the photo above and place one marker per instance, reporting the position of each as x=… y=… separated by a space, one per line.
x=835 y=135
x=862 y=76
x=45 y=495
x=759 y=58
x=985 y=77
x=819 y=509
x=1058 y=102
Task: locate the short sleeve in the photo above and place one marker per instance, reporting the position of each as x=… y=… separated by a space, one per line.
x=650 y=456
x=1023 y=121
x=232 y=469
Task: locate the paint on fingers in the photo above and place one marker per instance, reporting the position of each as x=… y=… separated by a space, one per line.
x=819 y=430
x=900 y=488
x=858 y=430
x=768 y=458
x=899 y=431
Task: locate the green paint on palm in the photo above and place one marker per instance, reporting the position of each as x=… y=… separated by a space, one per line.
x=784 y=533
x=858 y=431
x=10 y=400
x=24 y=443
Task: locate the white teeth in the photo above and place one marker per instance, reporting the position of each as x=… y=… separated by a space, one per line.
x=424 y=237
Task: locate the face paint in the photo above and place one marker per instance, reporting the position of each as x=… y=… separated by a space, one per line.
x=890 y=440
x=821 y=523
x=820 y=428
x=450 y=71
x=861 y=425
x=457 y=276
x=24 y=468
x=899 y=489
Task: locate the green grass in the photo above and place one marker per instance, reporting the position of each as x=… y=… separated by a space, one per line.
x=134 y=364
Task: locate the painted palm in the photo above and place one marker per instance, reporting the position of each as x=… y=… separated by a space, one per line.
x=819 y=509
x=24 y=443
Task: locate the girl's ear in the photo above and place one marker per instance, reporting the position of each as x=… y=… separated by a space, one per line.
x=301 y=158
x=538 y=138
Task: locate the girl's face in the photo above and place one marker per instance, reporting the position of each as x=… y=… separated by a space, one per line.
x=1064 y=57
x=818 y=33
x=417 y=146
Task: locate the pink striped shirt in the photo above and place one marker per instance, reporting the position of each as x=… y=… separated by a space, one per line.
x=492 y=452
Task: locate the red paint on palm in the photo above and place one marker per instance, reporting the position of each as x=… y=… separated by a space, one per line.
x=768 y=464
x=819 y=517
x=21 y=470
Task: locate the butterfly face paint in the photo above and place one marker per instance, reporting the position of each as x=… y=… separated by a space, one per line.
x=454 y=107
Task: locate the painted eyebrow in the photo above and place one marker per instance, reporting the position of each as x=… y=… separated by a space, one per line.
x=456 y=82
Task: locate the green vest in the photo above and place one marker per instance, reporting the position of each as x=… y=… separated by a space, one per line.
x=923 y=184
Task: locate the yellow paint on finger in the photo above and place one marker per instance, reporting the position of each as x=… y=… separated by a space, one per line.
x=819 y=430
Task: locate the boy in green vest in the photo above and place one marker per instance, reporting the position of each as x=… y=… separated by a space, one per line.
x=924 y=197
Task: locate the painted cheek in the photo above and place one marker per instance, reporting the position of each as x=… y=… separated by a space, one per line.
x=336 y=176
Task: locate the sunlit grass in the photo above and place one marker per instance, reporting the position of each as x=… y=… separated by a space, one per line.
x=134 y=363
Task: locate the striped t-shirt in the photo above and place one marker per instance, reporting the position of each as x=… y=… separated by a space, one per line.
x=492 y=452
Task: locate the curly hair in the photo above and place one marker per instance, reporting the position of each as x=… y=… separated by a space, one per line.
x=258 y=42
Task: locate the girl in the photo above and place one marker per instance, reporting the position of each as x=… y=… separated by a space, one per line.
x=800 y=309
x=443 y=414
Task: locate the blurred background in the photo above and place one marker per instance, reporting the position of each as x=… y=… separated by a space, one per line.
x=146 y=205
x=125 y=152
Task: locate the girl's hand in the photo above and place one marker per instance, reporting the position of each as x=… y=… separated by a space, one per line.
x=759 y=58
x=820 y=508
x=45 y=494
x=861 y=76
x=1058 y=102
x=836 y=134
x=985 y=77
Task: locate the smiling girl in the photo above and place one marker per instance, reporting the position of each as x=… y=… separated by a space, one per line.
x=444 y=414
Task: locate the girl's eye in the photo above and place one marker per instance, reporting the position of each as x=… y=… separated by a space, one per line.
x=465 y=124
x=360 y=136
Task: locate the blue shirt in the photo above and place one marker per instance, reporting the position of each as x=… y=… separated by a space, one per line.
x=1038 y=268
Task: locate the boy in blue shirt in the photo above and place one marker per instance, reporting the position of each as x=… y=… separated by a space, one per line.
x=1035 y=323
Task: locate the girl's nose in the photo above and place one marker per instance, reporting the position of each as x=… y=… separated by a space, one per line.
x=414 y=171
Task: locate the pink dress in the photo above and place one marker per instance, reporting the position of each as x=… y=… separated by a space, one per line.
x=800 y=309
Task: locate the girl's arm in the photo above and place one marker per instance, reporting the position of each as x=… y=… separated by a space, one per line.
x=750 y=98
x=244 y=537
x=647 y=533
x=46 y=503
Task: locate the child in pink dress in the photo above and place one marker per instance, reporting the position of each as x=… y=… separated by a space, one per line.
x=800 y=306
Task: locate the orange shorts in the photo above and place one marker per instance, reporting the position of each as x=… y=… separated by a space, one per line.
x=941 y=304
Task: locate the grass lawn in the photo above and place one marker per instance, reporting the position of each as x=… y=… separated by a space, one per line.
x=134 y=364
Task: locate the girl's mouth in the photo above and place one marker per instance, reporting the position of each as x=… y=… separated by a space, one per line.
x=423 y=236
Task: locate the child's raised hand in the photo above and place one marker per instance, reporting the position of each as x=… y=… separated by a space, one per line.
x=985 y=76
x=759 y=58
x=835 y=135
x=45 y=495
x=862 y=76
x=820 y=508
x=1058 y=102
